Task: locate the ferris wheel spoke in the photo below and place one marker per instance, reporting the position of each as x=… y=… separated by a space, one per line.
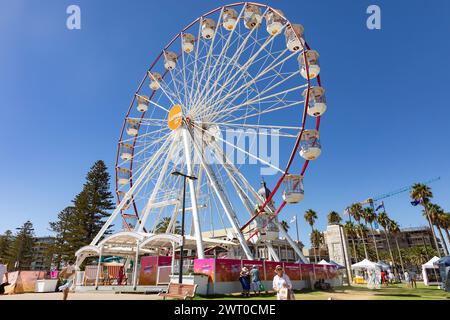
x=243 y=151
x=210 y=51
x=233 y=60
x=222 y=54
x=237 y=92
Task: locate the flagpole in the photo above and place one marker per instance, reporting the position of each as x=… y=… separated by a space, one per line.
x=296 y=227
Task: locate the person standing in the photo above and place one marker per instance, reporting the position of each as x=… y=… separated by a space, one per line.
x=256 y=279
x=67 y=274
x=3 y=274
x=244 y=279
x=282 y=285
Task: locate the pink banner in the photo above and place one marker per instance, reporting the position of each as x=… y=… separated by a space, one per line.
x=292 y=270
x=205 y=266
x=307 y=271
x=270 y=269
x=227 y=270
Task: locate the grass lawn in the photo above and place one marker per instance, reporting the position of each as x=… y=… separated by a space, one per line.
x=356 y=292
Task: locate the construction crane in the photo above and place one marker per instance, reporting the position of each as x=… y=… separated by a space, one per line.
x=371 y=201
x=395 y=192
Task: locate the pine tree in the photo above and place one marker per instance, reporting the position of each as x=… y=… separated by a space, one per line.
x=95 y=201
x=6 y=241
x=21 y=250
x=77 y=225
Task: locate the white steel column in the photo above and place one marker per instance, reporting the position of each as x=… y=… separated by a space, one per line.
x=127 y=197
x=231 y=215
x=162 y=176
x=135 y=267
x=193 y=194
x=98 y=267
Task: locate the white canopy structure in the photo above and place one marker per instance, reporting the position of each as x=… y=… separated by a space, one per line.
x=384 y=266
x=325 y=263
x=430 y=272
x=365 y=264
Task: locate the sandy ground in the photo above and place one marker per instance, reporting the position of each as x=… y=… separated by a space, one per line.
x=80 y=296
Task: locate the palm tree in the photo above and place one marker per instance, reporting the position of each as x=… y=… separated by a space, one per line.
x=162 y=226
x=445 y=223
x=370 y=216
x=356 y=212
x=316 y=239
x=421 y=192
x=311 y=217
x=349 y=228
x=435 y=213
x=334 y=218
x=394 y=228
x=383 y=221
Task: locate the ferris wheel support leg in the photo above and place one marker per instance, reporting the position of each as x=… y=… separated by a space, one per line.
x=225 y=203
x=291 y=242
x=193 y=194
x=155 y=191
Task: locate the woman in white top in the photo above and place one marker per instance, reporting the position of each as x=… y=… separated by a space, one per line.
x=281 y=281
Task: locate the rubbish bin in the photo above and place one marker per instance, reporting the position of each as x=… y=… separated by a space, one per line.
x=45 y=286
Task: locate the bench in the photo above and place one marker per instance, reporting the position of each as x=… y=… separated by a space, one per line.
x=180 y=291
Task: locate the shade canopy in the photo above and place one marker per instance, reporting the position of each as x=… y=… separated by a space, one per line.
x=384 y=265
x=431 y=263
x=366 y=264
x=445 y=261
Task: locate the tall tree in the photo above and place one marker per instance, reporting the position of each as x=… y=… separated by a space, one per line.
x=383 y=220
x=311 y=217
x=334 y=218
x=77 y=225
x=394 y=229
x=316 y=239
x=445 y=223
x=435 y=213
x=370 y=216
x=350 y=231
x=21 y=250
x=6 y=241
x=356 y=212
x=422 y=194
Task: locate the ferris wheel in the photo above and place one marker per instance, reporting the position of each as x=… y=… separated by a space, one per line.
x=237 y=71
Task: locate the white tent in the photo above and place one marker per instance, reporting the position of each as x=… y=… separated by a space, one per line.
x=384 y=265
x=365 y=264
x=430 y=272
x=325 y=263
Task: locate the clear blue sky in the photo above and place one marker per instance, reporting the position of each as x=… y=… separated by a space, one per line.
x=63 y=96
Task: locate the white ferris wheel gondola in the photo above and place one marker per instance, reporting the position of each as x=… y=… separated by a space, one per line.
x=310 y=148
x=317 y=104
x=275 y=21
x=230 y=17
x=312 y=56
x=252 y=16
x=170 y=60
x=294 y=191
x=188 y=42
x=142 y=103
x=155 y=80
x=295 y=37
x=126 y=151
x=208 y=28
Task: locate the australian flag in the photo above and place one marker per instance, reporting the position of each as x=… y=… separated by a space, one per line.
x=379 y=207
x=416 y=202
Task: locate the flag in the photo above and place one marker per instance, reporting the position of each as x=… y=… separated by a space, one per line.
x=379 y=207
x=376 y=226
x=415 y=203
x=294 y=218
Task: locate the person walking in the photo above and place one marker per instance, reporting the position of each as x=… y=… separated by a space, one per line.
x=68 y=275
x=412 y=279
x=244 y=279
x=256 y=280
x=407 y=279
x=3 y=274
x=282 y=285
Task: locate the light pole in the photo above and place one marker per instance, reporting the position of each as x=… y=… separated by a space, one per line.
x=177 y=173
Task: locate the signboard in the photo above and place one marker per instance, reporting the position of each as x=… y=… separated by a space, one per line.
x=227 y=270
x=149 y=269
x=292 y=270
x=307 y=271
x=270 y=269
x=205 y=266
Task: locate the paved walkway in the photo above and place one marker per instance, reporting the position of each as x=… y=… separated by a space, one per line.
x=80 y=296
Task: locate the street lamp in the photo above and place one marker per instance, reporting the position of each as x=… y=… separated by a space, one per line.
x=177 y=173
